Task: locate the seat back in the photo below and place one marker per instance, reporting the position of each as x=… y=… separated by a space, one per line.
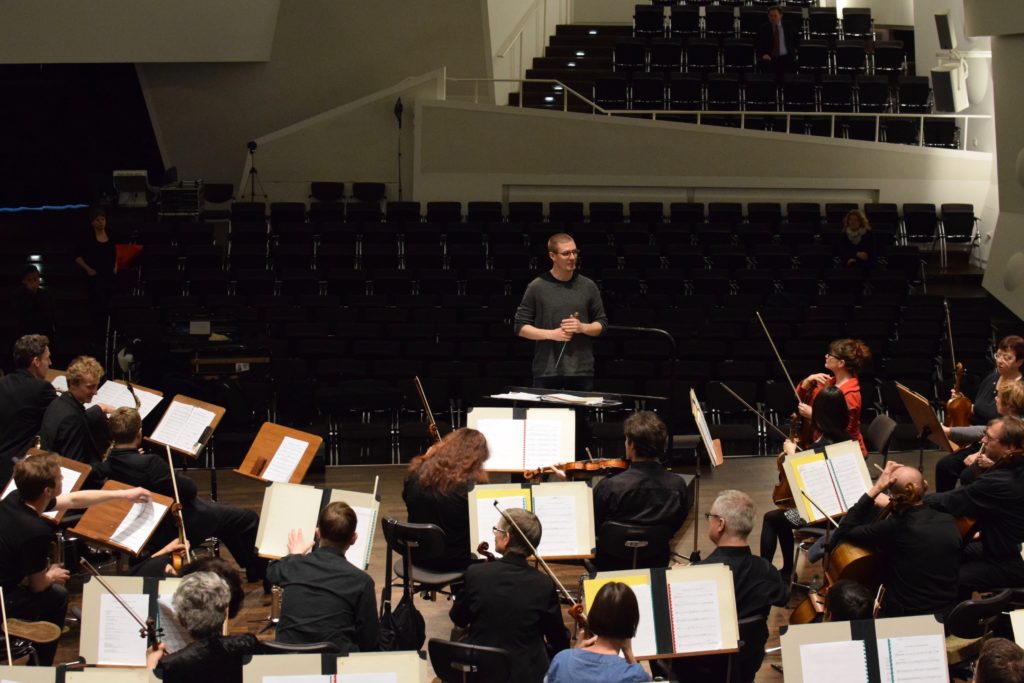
x=972 y=618
x=463 y=663
x=427 y=539
x=629 y=546
x=880 y=434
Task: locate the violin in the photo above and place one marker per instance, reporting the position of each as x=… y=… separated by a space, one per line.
x=483 y=550
x=959 y=408
x=592 y=467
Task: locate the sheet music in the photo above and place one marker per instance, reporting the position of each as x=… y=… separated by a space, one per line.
x=60 y=383
x=119 y=640
x=839 y=662
x=1017 y=624
x=300 y=678
x=71 y=478
x=384 y=677
x=117 y=395
x=488 y=517
x=505 y=440
x=286 y=507
x=572 y=398
x=557 y=516
x=182 y=426
x=645 y=642
x=848 y=476
x=693 y=610
x=359 y=552
x=174 y=636
x=517 y=396
x=543 y=443
x=285 y=459
x=817 y=483
x=137 y=526
x=912 y=659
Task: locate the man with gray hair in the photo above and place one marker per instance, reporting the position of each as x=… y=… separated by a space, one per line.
x=24 y=396
x=757 y=583
x=509 y=604
x=201 y=606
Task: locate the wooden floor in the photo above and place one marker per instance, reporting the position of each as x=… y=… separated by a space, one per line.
x=755 y=476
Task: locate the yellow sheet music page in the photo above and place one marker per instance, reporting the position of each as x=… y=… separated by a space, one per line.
x=645 y=642
x=810 y=473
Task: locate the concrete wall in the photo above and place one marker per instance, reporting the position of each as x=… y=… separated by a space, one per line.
x=491 y=153
x=326 y=53
x=119 y=31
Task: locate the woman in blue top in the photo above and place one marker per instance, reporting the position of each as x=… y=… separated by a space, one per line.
x=611 y=623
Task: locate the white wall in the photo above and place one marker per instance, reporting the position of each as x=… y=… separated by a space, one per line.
x=492 y=153
x=117 y=31
x=518 y=31
x=325 y=53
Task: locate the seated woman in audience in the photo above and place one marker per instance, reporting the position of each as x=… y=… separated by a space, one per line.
x=611 y=625
x=201 y=604
x=830 y=417
x=856 y=246
x=436 y=492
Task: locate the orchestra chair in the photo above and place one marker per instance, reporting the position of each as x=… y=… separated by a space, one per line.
x=273 y=647
x=24 y=653
x=880 y=434
x=429 y=542
x=968 y=625
x=627 y=546
x=462 y=663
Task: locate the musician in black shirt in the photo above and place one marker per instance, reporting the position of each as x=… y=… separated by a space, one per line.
x=72 y=430
x=24 y=397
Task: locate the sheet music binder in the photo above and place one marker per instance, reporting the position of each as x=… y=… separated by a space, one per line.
x=508 y=432
x=841 y=498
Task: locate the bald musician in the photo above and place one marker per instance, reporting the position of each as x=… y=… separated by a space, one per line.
x=920 y=546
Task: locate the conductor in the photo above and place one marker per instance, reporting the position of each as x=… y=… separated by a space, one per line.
x=561 y=310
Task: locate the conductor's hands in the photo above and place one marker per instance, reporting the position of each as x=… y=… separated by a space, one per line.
x=571 y=325
x=559 y=335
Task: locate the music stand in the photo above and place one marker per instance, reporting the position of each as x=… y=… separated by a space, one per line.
x=194 y=452
x=715 y=455
x=265 y=447
x=99 y=522
x=926 y=422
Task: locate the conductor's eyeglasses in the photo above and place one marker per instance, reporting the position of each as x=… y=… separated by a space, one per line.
x=569 y=252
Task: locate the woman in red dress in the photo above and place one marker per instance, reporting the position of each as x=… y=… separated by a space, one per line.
x=844 y=360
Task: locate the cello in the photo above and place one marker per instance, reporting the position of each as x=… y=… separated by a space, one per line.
x=959 y=408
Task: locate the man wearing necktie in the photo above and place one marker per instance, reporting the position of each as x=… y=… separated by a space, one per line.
x=777 y=44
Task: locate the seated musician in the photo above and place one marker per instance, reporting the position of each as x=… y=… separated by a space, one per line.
x=436 y=491
x=326 y=598
x=646 y=494
x=127 y=463
x=33 y=587
x=24 y=396
x=758 y=587
x=1000 y=661
x=848 y=600
x=919 y=546
x=831 y=417
x=996 y=501
x=225 y=570
x=509 y=604
x=201 y=604
x=845 y=358
x=611 y=625
x=68 y=427
x=968 y=463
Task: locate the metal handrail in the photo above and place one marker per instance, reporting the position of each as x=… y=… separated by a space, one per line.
x=743 y=113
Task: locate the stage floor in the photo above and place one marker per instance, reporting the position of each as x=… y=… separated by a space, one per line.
x=755 y=476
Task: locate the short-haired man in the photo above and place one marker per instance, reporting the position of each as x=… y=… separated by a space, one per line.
x=1000 y=661
x=509 y=604
x=326 y=598
x=24 y=396
x=757 y=583
x=777 y=44
x=34 y=588
x=71 y=430
x=561 y=310
x=920 y=546
x=996 y=501
x=236 y=527
x=646 y=494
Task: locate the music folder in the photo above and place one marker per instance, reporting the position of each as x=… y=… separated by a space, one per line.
x=712 y=446
x=522 y=439
x=834 y=479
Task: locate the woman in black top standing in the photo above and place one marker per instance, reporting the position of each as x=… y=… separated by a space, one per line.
x=96 y=255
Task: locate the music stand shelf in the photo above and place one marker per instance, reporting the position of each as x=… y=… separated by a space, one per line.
x=264 y=447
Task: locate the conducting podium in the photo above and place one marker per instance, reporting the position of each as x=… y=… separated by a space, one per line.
x=280 y=454
x=122 y=524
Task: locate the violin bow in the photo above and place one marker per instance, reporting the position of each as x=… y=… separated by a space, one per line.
x=7 y=637
x=426 y=407
x=778 y=356
x=949 y=332
x=753 y=410
x=147 y=627
x=547 y=568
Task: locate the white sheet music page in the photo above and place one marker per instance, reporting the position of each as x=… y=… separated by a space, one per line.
x=488 y=516
x=119 y=641
x=117 y=395
x=543 y=443
x=505 y=440
x=182 y=426
x=817 y=480
x=645 y=642
x=138 y=525
x=839 y=662
x=300 y=678
x=359 y=552
x=384 y=677
x=912 y=659
x=60 y=383
x=174 y=636
x=285 y=459
x=557 y=516
x=70 y=479
x=847 y=467
x=693 y=610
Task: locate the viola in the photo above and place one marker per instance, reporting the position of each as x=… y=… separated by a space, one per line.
x=590 y=467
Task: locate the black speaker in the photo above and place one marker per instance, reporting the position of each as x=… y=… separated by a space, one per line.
x=949 y=89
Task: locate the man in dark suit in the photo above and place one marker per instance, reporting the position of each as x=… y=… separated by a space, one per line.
x=235 y=526
x=777 y=44
x=24 y=397
x=71 y=430
x=509 y=604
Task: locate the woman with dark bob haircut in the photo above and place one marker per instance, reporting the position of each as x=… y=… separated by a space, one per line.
x=611 y=625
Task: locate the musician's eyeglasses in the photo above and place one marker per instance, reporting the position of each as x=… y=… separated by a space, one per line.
x=499 y=530
x=1003 y=356
x=709 y=515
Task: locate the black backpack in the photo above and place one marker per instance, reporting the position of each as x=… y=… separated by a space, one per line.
x=402 y=628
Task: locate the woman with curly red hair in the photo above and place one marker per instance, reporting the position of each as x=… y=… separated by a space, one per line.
x=844 y=360
x=436 y=491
